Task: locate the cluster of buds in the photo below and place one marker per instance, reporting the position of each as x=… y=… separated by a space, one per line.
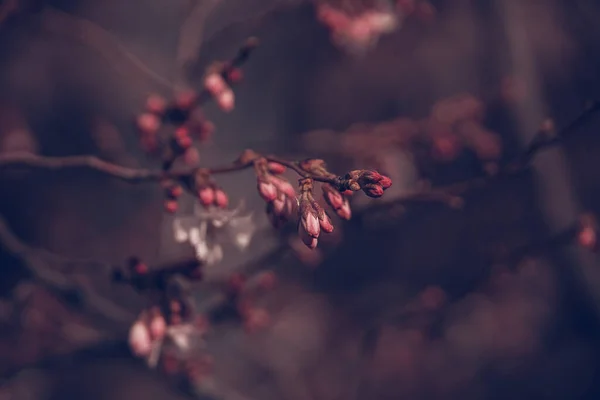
x=312 y=217
x=276 y=191
x=183 y=114
x=208 y=192
x=216 y=84
x=169 y=338
x=370 y=182
x=186 y=121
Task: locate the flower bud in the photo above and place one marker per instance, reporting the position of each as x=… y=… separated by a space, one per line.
x=333 y=197
x=385 y=182
x=235 y=75
x=345 y=212
x=310 y=241
x=171 y=206
x=156 y=105
x=158 y=327
x=325 y=222
x=310 y=223
x=214 y=83
x=139 y=339
x=148 y=124
x=226 y=100
x=276 y=168
x=373 y=190
x=283 y=186
x=174 y=191
x=267 y=189
x=206 y=196
x=221 y=199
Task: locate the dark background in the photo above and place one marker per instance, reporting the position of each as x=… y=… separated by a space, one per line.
x=518 y=330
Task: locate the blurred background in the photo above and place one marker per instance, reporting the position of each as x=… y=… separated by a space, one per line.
x=417 y=300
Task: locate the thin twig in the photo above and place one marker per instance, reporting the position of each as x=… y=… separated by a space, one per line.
x=38 y=263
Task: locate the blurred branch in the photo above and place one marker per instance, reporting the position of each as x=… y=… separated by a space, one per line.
x=39 y=263
x=547 y=136
x=190 y=36
x=91 y=34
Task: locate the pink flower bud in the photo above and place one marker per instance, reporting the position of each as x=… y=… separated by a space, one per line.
x=226 y=100
x=174 y=191
x=283 y=186
x=206 y=196
x=587 y=237
x=171 y=206
x=345 y=212
x=148 y=124
x=139 y=339
x=334 y=198
x=310 y=223
x=214 y=83
x=235 y=75
x=385 y=182
x=308 y=240
x=158 y=327
x=267 y=190
x=276 y=168
x=221 y=199
x=373 y=190
x=155 y=104
x=325 y=223
x=279 y=205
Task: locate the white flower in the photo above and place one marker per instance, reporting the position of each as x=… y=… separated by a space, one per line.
x=207 y=229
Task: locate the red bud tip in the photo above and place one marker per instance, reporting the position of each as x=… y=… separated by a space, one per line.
x=171 y=206
x=206 y=196
x=221 y=199
x=276 y=168
x=385 y=182
x=267 y=190
x=155 y=104
x=148 y=124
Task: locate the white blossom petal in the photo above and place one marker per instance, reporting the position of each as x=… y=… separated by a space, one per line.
x=180 y=234
x=195 y=236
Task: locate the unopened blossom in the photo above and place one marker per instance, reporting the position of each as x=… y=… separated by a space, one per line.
x=140 y=341
x=215 y=83
x=337 y=201
x=158 y=326
x=276 y=168
x=226 y=100
x=312 y=217
x=206 y=196
x=148 y=124
x=266 y=188
x=156 y=104
x=221 y=199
